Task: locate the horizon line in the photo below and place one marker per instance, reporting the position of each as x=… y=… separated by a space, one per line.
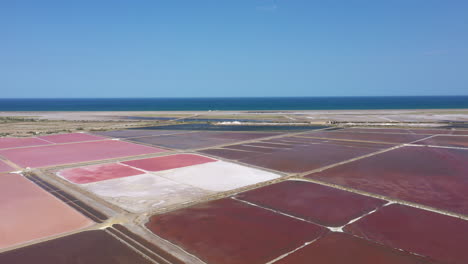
x=232 y=97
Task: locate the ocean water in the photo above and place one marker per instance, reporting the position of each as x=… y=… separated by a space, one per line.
x=253 y=104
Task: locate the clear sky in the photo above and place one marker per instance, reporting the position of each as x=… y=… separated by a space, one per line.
x=198 y=48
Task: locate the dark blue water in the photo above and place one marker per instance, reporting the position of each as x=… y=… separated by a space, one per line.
x=253 y=104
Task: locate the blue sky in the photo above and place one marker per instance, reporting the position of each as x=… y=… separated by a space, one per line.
x=216 y=48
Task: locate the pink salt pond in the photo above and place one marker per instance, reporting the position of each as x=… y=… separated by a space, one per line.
x=72 y=137
x=97 y=173
x=21 y=142
x=5 y=167
x=30 y=213
x=47 y=140
x=52 y=155
x=168 y=162
x=101 y=172
x=145 y=184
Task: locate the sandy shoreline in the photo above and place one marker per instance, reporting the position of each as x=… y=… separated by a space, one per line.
x=24 y=123
x=116 y=115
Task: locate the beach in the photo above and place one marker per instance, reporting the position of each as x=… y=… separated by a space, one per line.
x=26 y=123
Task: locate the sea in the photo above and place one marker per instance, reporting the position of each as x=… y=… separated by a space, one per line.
x=254 y=104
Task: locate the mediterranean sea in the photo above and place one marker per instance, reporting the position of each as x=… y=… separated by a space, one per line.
x=227 y=104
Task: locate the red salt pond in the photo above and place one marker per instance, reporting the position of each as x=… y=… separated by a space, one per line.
x=448 y=141
x=228 y=153
x=229 y=231
x=44 y=156
x=200 y=139
x=137 y=133
x=253 y=149
x=302 y=158
x=5 y=167
x=320 y=204
x=399 y=131
x=339 y=248
x=409 y=131
x=431 y=176
x=72 y=137
x=270 y=145
x=180 y=141
x=168 y=162
x=375 y=137
x=460 y=132
x=90 y=247
x=21 y=142
x=239 y=135
x=29 y=213
x=437 y=236
x=96 y=173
